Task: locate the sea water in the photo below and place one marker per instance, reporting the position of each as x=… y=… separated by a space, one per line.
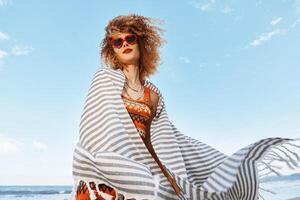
x=285 y=189
x=35 y=192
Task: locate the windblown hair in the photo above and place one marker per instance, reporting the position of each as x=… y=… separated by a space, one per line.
x=149 y=41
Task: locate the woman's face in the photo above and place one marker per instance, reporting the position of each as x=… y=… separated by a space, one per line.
x=126 y=48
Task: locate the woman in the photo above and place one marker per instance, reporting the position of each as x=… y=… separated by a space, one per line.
x=141 y=102
x=129 y=149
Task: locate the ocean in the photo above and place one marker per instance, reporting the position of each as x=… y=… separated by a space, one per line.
x=286 y=187
x=35 y=192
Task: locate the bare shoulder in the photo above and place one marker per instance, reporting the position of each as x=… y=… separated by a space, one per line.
x=154 y=96
x=154 y=100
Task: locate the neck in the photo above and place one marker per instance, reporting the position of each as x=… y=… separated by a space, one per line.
x=132 y=74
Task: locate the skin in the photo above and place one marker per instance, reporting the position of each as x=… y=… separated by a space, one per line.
x=131 y=70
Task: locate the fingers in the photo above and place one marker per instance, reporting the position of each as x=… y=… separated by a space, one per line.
x=93 y=187
x=83 y=193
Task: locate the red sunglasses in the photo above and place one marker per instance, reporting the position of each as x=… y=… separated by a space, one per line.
x=118 y=42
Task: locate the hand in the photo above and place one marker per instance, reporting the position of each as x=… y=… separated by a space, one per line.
x=84 y=194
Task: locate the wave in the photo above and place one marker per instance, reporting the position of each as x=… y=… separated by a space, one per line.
x=34 y=190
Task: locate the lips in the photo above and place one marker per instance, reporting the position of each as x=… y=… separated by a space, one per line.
x=127 y=50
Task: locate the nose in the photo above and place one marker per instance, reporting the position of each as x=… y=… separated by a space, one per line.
x=125 y=44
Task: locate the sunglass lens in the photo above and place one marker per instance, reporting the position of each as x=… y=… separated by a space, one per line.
x=131 y=39
x=117 y=42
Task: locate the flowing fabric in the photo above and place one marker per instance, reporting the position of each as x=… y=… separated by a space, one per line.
x=110 y=151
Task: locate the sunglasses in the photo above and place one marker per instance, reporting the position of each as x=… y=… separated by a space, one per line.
x=118 y=42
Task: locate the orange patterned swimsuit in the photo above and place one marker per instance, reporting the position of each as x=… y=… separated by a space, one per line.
x=140 y=113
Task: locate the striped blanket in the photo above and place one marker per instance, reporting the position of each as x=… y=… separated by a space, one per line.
x=111 y=152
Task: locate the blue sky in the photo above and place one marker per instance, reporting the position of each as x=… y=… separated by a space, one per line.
x=229 y=75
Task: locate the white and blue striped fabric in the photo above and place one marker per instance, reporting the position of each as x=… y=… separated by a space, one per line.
x=110 y=151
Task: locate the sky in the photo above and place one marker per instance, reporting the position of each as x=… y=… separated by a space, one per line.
x=229 y=74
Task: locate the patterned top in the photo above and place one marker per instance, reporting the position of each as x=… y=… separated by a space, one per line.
x=139 y=111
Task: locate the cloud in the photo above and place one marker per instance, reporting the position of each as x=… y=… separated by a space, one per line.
x=297 y=7
x=3 y=54
x=275 y=21
x=9 y=145
x=39 y=146
x=267 y=36
x=295 y=22
x=185 y=59
x=5 y=2
x=3 y=36
x=210 y=5
x=16 y=50
x=21 y=50
x=204 y=6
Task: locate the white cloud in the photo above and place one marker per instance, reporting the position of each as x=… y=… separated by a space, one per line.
x=16 y=50
x=296 y=22
x=275 y=21
x=39 y=146
x=3 y=54
x=185 y=59
x=211 y=5
x=267 y=36
x=208 y=5
x=5 y=2
x=297 y=7
x=203 y=6
x=21 y=50
x=8 y=145
x=3 y=36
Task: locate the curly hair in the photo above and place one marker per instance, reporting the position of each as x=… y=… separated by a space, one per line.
x=149 y=41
